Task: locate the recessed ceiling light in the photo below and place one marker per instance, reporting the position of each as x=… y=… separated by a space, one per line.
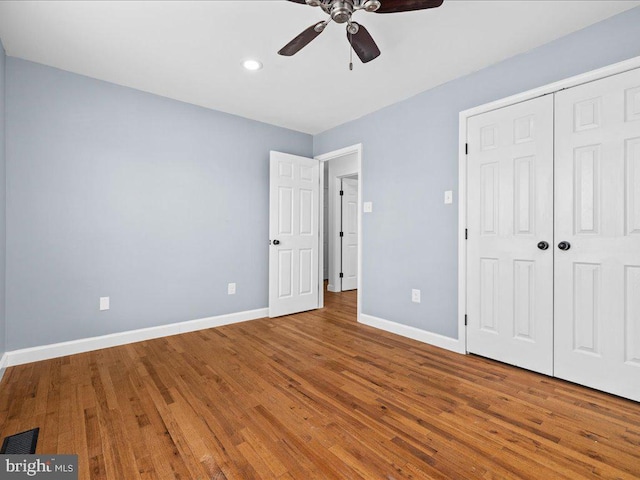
x=252 y=65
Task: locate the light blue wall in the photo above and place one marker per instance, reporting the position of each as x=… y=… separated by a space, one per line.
x=158 y=204
x=114 y=192
x=410 y=157
x=2 y=203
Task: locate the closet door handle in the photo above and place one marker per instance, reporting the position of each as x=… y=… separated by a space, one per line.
x=564 y=246
x=543 y=245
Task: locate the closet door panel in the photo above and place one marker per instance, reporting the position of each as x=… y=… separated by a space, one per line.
x=509 y=211
x=597 y=213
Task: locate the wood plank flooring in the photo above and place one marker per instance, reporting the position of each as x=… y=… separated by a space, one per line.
x=315 y=396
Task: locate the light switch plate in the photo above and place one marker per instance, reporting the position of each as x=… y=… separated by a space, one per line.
x=368 y=207
x=448 y=197
x=415 y=295
x=104 y=303
x=231 y=289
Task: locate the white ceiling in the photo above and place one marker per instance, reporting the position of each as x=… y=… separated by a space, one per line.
x=192 y=50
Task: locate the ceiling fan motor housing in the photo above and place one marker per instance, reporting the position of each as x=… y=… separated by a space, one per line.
x=341 y=11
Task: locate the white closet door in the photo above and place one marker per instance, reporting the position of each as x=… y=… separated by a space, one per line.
x=510 y=211
x=597 y=201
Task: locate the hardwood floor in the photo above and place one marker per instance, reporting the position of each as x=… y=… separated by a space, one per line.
x=314 y=396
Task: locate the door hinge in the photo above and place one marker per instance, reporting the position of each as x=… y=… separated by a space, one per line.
x=342 y=234
x=466 y=149
x=341 y=275
x=341 y=192
x=466 y=234
x=465 y=319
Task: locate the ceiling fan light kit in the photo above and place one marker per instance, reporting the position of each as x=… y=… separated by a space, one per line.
x=320 y=27
x=371 y=5
x=341 y=11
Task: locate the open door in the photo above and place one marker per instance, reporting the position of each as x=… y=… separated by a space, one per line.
x=293 y=234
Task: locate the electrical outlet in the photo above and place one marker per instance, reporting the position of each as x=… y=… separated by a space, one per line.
x=104 y=303
x=231 y=289
x=415 y=295
x=368 y=207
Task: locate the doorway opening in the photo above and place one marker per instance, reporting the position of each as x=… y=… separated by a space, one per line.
x=341 y=222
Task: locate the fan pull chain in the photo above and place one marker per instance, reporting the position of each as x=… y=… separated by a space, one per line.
x=350 y=51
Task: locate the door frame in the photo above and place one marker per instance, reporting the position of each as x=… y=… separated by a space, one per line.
x=551 y=88
x=357 y=149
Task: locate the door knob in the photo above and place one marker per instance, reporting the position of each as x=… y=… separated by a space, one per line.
x=564 y=245
x=543 y=245
x=276 y=242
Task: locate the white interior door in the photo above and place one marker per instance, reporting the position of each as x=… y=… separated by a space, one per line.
x=597 y=201
x=509 y=212
x=349 y=234
x=325 y=230
x=293 y=232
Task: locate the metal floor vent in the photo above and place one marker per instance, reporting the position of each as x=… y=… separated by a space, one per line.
x=21 y=443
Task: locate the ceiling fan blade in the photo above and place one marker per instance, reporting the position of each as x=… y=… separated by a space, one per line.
x=301 y=41
x=303 y=2
x=394 y=6
x=363 y=44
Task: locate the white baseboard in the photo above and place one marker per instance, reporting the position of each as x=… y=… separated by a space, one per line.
x=414 y=333
x=3 y=364
x=331 y=288
x=45 y=352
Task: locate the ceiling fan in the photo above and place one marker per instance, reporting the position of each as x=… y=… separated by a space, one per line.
x=340 y=11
